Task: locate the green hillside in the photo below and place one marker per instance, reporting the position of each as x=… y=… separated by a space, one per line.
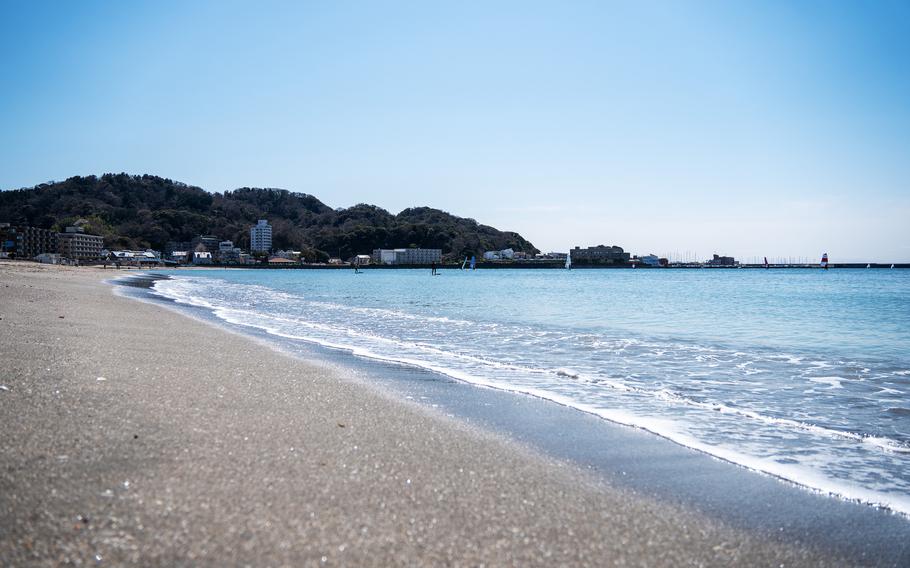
x=148 y=211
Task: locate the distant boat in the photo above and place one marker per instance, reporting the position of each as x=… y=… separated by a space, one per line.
x=892 y=267
x=868 y=266
x=824 y=263
x=767 y=266
x=569 y=261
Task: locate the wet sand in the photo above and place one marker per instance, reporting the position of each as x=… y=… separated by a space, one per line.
x=134 y=434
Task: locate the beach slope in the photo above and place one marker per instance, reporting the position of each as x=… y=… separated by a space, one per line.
x=132 y=433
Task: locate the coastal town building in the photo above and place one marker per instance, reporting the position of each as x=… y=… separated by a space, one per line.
x=650 y=260
x=208 y=243
x=32 y=241
x=49 y=258
x=505 y=254
x=180 y=256
x=293 y=255
x=261 y=237
x=7 y=240
x=75 y=244
x=228 y=253
x=27 y=242
x=721 y=261
x=202 y=257
x=173 y=246
x=407 y=256
x=599 y=254
x=146 y=257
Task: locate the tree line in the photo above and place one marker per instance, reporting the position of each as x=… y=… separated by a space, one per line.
x=145 y=211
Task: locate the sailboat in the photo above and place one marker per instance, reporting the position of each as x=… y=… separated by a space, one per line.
x=868 y=266
x=569 y=261
x=892 y=267
x=824 y=263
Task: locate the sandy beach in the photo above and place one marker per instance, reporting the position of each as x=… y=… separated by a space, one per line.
x=133 y=434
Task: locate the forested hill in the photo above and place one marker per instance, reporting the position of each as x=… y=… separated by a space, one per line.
x=148 y=211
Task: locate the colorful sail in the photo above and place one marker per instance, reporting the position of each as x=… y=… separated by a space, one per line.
x=824 y=262
x=473 y=263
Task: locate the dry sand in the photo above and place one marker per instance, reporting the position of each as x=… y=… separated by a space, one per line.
x=133 y=434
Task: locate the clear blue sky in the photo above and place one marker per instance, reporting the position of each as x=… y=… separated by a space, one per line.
x=777 y=128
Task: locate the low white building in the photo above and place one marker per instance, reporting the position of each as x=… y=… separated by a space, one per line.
x=504 y=254
x=202 y=257
x=407 y=256
x=135 y=257
x=49 y=258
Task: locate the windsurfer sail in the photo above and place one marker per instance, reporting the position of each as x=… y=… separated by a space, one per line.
x=473 y=263
x=569 y=261
x=767 y=266
x=824 y=263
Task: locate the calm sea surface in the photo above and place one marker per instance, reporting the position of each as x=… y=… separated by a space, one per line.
x=804 y=374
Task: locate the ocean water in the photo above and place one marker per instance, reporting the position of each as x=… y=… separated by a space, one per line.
x=802 y=374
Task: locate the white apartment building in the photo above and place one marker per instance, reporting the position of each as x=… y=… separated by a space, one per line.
x=407 y=256
x=261 y=237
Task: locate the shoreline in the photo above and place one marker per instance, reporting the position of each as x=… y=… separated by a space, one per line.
x=838 y=489
x=622 y=454
x=137 y=434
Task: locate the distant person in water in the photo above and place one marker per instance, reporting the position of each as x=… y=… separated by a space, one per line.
x=434 y=269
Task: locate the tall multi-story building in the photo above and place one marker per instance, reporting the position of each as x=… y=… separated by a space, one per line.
x=29 y=242
x=7 y=240
x=407 y=256
x=261 y=237
x=76 y=245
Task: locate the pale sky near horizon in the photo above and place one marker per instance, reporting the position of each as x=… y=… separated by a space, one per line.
x=778 y=128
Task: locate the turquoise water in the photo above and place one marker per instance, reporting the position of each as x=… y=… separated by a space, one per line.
x=803 y=374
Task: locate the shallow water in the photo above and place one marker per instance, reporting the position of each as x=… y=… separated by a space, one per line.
x=803 y=374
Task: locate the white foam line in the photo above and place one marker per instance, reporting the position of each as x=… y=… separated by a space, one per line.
x=663 y=428
x=663 y=394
